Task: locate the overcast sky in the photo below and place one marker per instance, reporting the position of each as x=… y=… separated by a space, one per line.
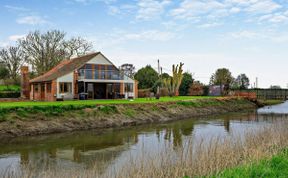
x=246 y=36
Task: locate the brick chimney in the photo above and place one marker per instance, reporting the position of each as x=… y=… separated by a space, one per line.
x=25 y=87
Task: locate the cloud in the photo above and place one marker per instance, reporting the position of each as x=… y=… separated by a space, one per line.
x=121 y=10
x=11 y=40
x=267 y=35
x=31 y=20
x=149 y=9
x=16 y=37
x=150 y=35
x=16 y=8
x=245 y=34
x=274 y=18
x=118 y=38
x=3 y=44
x=209 y=25
x=193 y=9
x=262 y=6
x=86 y=2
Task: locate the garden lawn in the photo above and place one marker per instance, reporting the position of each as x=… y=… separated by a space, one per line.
x=99 y=102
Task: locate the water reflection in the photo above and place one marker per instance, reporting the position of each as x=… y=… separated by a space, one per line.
x=276 y=109
x=110 y=147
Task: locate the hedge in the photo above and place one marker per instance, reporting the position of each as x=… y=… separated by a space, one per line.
x=9 y=94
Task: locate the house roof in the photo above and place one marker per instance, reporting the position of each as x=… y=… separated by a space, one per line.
x=64 y=67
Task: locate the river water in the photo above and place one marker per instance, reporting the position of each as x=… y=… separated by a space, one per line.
x=110 y=148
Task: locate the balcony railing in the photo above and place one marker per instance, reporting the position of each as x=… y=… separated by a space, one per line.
x=100 y=74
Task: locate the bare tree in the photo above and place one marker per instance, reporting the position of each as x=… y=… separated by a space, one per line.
x=13 y=58
x=128 y=69
x=77 y=46
x=44 y=50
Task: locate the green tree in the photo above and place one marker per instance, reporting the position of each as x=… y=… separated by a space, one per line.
x=242 y=82
x=222 y=77
x=187 y=81
x=165 y=75
x=147 y=77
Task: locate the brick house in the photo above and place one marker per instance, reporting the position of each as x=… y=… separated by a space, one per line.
x=92 y=76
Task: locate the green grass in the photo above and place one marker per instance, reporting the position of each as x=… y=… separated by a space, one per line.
x=129 y=112
x=271 y=102
x=277 y=166
x=98 y=102
x=9 y=88
x=26 y=110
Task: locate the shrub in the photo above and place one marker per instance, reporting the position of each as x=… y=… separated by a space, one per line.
x=9 y=94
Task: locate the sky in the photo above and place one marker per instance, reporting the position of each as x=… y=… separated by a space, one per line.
x=245 y=36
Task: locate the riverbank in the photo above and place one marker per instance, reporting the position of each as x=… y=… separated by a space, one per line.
x=269 y=102
x=36 y=120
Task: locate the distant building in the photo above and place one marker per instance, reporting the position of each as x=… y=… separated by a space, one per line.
x=275 y=87
x=91 y=76
x=215 y=90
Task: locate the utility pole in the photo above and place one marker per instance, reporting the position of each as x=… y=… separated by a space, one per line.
x=158 y=67
x=256 y=82
x=159 y=75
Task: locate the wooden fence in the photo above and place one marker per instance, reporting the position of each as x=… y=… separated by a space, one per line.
x=265 y=94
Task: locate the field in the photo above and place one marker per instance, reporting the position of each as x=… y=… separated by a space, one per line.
x=99 y=102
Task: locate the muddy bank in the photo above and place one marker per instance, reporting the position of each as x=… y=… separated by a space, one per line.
x=36 y=122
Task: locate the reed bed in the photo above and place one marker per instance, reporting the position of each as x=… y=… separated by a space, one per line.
x=196 y=158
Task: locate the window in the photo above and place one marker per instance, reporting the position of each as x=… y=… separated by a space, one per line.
x=88 y=74
x=48 y=87
x=88 y=71
x=65 y=87
x=103 y=72
x=81 y=73
x=88 y=66
x=36 y=87
x=96 y=73
x=129 y=87
x=110 y=72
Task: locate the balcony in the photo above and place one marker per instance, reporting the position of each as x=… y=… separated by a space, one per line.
x=100 y=74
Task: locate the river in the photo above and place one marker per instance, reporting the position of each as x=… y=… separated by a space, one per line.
x=109 y=149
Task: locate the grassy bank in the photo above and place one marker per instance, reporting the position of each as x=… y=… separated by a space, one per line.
x=17 y=120
x=27 y=110
x=99 y=102
x=270 y=102
x=277 y=166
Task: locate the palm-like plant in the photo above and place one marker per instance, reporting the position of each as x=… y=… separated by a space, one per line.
x=167 y=83
x=177 y=77
x=172 y=84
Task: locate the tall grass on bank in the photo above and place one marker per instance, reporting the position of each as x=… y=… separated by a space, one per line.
x=206 y=159
x=196 y=158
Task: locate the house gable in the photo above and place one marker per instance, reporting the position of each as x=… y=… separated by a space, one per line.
x=100 y=59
